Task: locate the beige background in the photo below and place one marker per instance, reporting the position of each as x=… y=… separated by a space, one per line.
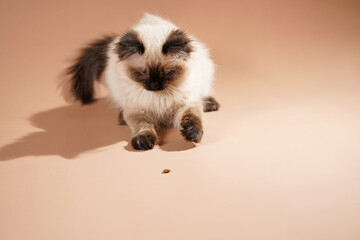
x=280 y=160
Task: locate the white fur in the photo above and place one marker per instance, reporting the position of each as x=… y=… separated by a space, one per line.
x=129 y=95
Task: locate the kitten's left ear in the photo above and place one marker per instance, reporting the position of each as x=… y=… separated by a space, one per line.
x=130 y=44
x=177 y=42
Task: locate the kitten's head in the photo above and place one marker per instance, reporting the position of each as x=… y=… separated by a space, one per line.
x=155 y=52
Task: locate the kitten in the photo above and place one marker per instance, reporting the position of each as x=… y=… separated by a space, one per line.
x=157 y=75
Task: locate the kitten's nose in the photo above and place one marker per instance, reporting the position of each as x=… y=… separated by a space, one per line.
x=155 y=85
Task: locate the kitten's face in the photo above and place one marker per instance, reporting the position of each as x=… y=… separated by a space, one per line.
x=155 y=67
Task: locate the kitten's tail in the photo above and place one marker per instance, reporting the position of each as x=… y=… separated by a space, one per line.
x=88 y=68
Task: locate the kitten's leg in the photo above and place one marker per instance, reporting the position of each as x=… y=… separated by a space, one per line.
x=210 y=104
x=121 y=118
x=143 y=130
x=188 y=120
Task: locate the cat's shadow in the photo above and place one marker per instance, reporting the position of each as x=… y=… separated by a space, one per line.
x=74 y=129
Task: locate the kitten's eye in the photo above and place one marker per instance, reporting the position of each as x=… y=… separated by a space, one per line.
x=169 y=72
x=143 y=73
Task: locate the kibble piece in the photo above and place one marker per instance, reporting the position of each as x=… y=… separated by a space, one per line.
x=166 y=171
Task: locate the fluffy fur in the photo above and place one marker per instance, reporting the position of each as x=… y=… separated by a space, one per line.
x=157 y=75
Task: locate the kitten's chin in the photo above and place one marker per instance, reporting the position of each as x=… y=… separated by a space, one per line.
x=156 y=90
x=152 y=90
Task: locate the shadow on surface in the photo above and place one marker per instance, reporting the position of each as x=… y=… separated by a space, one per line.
x=71 y=130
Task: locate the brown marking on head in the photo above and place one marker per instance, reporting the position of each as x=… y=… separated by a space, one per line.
x=177 y=43
x=155 y=77
x=129 y=44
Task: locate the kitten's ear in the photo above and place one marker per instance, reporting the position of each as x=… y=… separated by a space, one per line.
x=177 y=43
x=130 y=44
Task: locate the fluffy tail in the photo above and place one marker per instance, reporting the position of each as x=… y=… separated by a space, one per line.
x=88 y=68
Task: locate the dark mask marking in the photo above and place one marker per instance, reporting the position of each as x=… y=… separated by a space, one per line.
x=156 y=77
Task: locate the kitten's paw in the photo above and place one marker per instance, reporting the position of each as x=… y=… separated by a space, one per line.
x=144 y=141
x=121 y=118
x=210 y=104
x=191 y=128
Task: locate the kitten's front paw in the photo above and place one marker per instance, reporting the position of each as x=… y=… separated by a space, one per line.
x=191 y=128
x=144 y=141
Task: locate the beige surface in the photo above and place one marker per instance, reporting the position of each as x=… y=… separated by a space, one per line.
x=280 y=160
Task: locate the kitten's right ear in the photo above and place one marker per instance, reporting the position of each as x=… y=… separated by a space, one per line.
x=177 y=43
x=130 y=44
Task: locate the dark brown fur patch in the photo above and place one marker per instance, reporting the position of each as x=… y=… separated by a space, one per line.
x=156 y=76
x=88 y=68
x=177 y=43
x=130 y=44
x=191 y=127
x=210 y=104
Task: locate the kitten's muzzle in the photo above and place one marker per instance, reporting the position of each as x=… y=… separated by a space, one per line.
x=155 y=86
